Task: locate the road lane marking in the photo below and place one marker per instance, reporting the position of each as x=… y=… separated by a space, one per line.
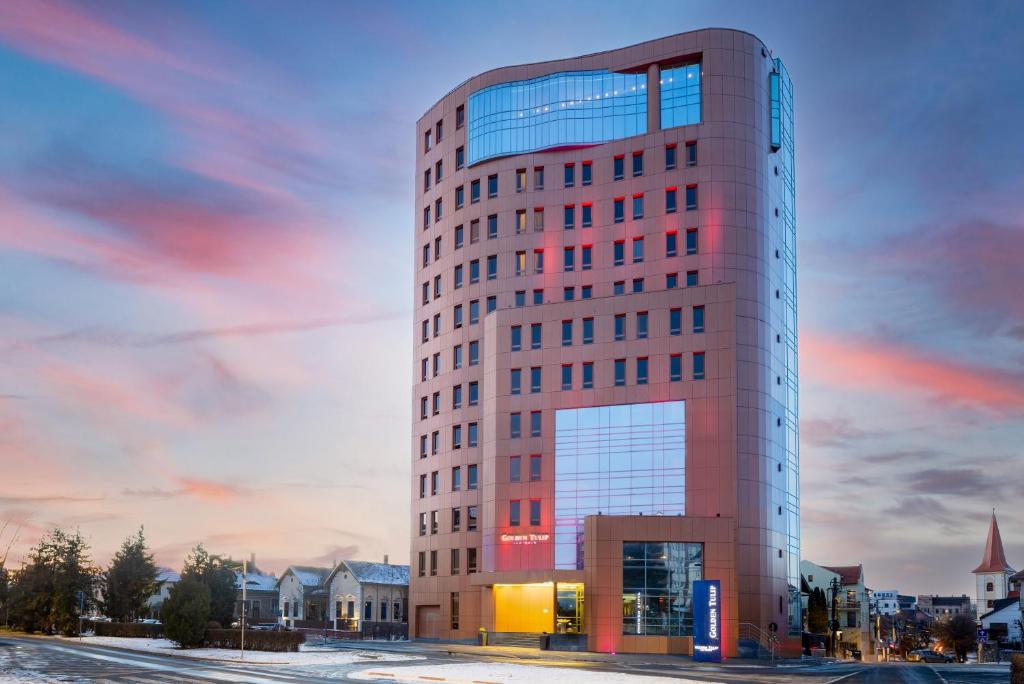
x=848 y=674
x=936 y=673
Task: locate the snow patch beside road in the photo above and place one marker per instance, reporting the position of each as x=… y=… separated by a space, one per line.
x=509 y=673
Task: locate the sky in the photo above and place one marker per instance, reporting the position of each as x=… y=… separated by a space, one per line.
x=206 y=233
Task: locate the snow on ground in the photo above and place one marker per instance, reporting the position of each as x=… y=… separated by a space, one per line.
x=309 y=654
x=508 y=673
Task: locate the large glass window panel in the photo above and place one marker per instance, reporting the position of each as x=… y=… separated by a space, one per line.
x=566 y=108
x=680 y=96
x=657 y=587
x=618 y=460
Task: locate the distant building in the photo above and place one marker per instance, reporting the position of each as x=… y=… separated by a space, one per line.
x=852 y=602
x=165 y=580
x=993 y=574
x=885 y=601
x=301 y=596
x=945 y=607
x=261 y=595
x=1005 y=622
x=907 y=602
x=370 y=598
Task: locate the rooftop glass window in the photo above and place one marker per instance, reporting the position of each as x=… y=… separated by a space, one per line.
x=680 y=96
x=566 y=108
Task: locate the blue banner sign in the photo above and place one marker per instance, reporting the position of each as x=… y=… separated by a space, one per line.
x=707 y=621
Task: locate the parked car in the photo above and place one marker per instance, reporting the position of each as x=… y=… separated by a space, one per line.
x=928 y=656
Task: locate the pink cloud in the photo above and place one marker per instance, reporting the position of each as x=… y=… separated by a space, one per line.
x=885 y=367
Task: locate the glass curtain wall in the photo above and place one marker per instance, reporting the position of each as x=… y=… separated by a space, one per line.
x=657 y=587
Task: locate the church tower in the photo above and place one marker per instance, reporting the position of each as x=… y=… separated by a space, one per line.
x=993 y=575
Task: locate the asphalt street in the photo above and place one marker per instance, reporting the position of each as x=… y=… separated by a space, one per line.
x=31 y=659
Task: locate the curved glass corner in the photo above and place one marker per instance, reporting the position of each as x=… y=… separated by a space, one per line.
x=680 y=96
x=557 y=110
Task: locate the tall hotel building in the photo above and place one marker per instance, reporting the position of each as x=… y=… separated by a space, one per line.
x=605 y=378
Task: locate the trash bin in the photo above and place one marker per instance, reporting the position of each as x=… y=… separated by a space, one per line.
x=481 y=638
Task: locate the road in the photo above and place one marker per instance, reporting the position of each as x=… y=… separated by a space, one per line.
x=34 y=659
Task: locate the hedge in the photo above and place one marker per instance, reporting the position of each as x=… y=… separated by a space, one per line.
x=256 y=640
x=1017 y=669
x=135 y=630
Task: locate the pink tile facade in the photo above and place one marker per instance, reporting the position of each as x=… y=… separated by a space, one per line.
x=731 y=477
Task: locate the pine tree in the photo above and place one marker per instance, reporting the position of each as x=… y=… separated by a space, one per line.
x=58 y=580
x=218 y=574
x=130 y=580
x=186 y=612
x=817 y=612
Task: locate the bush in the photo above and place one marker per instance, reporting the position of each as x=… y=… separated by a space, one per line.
x=132 y=630
x=255 y=640
x=186 y=612
x=1017 y=669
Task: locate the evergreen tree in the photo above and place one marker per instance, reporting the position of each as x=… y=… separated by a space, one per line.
x=130 y=580
x=218 y=574
x=186 y=612
x=817 y=612
x=56 y=582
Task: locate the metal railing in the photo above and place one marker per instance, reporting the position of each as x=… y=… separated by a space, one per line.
x=765 y=640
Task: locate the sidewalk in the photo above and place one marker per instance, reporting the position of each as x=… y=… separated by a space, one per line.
x=523 y=653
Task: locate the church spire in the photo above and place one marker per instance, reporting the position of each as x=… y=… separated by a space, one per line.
x=994 y=559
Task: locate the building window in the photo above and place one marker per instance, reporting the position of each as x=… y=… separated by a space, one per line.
x=515 y=381
x=568 y=259
x=454 y=600
x=515 y=425
x=433 y=522
x=492 y=226
x=567 y=333
x=638 y=164
x=438 y=171
x=457 y=397
x=570 y=175
x=670 y=157
x=698 y=319
x=513 y=513
x=474 y=393
x=471 y=481
x=457 y=356
x=436 y=402
x=620 y=372
x=457 y=316
x=638 y=285
x=588 y=331
x=538 y=178
x=460 y=116
x=440 y=130
x=426 y=140
x=587 y=261
x=691 y=197
x=456 y=478
x=474 y=353
x=618 y=167
x=520 y=221
x=638 y=205
x=657 y=587
x=435 y=442
x=473 y=434
x=698 y=365
x=470 y=526
x=641 y=370
x=535 y=335
x=675 y=367
x=620 y=327
x=519 y=298
x=670 y=200
x=423 y=486
x=456 y=519
x=675 y=325
x=460 y=196
x=691 y=241
x=535 y=422
x=514 y=464
x=568 y=293
x=534 y=512
x=433 y=570
x=570 y=216
x=471 y=558
x=474 y=312
x=474 y=191
x=454 y=563
x=587 y=218
x=538 y=219
x=588 y=375
x=691 y=153
x=619 y=253
x=680 y=96
x=520 y=263
x=520 y=180
x=691 y=276
x=426 y=218
x=516 y=333
x=641 y=325
x=535 y=464
x=588 y=173
x=538 y=262
x=423 y=446
x=567 y=376
x=422 y=565
x=459 y=236
x=538 y=297
x=460 y=158
x=535 y=380
x=671 y=281
x=426 y=180
x=492 y=185
x=638 y=250
x=620 y=210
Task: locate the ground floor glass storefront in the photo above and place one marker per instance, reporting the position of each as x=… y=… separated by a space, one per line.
x=541 y=607
x=657 y=587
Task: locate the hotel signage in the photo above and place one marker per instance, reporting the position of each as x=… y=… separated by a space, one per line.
x=524 y=538
x=707 y=621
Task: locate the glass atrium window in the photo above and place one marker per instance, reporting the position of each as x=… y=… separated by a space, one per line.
x=680 y=96
x=657 y=587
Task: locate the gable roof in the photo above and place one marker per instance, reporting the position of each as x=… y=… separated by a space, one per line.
x=1018 y=576
x=308 y=575
x=256 y=581
x=848 y=574
x=1000 y=604
x=994 y=559
x=366 y=572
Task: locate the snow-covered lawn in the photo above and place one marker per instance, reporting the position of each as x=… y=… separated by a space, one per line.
x=508 y=673
x=309 y=654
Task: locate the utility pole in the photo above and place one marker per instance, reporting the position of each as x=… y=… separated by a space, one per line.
x=834 y=623
x=245 y=567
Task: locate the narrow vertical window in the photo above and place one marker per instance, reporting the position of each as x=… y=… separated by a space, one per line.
x=670 y=157
x=698 y=365
x=638 y=164
x=570 y=175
